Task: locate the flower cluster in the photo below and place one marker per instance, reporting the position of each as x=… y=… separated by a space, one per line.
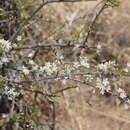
x=59 y=67
x=127 y=69
x=99 y=48
x=3 y=60
x=50 y=68
x=11 y=92
x=106 y=66
x=103 y=84
x=24 y=69
x=88 y=78
x=122 y=93
x=5 y=45
x=84 y=61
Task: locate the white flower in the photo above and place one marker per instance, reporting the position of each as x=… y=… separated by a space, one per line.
x=35 y=67
x=122 y=93
x=19 y=38
x=77 y=46
x=25 y=70
x=4 y=60
x=103 y=85
x=128 y=65
x=31 y=62
x=99 y=47
x=88 y=77
x=64 y=81
x=126 y=70
x=107 y=65
x=50 y=68
x=61 y=57
x=128 y=101
x=30 y=55
x=10 y=92
x=41 y=69
x=5 y=45
x=103 y=67
x=84 y=61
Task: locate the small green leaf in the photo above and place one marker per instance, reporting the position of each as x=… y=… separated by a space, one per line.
x=114 y=2
x=122 y=73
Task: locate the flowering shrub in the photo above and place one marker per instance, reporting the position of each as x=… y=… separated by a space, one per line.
x=21 y=71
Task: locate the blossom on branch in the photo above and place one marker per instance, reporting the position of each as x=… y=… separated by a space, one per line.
x=50 y=68
x=84 y=61
x=106 y=66
x=5 y=45
x=122 y=93
x=25 y=70
x=103 y=85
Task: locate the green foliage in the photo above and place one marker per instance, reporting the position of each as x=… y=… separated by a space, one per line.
x=2 y=12
x=26 y=6
x=18 y=116
x=2 y=81
x=76 y=36
x=122 y=73
x=114 y=2
x=98 y=22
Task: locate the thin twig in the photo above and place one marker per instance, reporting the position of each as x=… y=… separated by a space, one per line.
x=40 y=45
x=93 y=22
x=64 y=89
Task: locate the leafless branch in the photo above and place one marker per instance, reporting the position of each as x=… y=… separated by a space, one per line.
x=40 y=45
x=94 y=21
x=64 y=89
x=68 y=76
